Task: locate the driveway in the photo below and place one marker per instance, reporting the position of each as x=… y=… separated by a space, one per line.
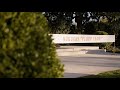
x=89 y=64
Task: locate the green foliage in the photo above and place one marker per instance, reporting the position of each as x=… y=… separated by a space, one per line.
x=116 y=50
x=87 y=23
x=90 y=28
x=79 y=19
x=59 y=22
x=103 y=45
x=26 y=48
x=73 y=29
x=113 y=49
x=62 y=28
x=109 y=74
x=101 y=33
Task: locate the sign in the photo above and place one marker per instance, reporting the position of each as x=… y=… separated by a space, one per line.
x=75 y=38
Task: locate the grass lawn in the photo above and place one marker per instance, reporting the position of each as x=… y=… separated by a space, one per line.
x=110 y=74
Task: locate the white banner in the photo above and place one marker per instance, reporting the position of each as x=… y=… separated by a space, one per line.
x=75 y=38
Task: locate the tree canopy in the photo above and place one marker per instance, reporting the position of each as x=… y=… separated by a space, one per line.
x=87 y=22
x=26 y=48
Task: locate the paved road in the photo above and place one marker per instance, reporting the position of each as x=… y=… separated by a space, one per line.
x=82 y=65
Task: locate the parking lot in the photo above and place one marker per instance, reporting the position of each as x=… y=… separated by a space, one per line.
x=88 y=64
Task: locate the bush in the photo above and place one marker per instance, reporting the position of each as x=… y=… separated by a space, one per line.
x=103 y=45
x=101 y=33
x=116 y=50
x=26 y=48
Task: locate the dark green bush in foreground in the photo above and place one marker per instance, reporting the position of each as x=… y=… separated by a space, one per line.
x=26 y=49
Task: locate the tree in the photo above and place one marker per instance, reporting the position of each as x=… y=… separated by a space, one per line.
x=79 y=19
x=59 y=22
x=73 y=29
x=27 y=50
x=85 y=20
x=110 y=21
x=62 y=28
x=90 y=28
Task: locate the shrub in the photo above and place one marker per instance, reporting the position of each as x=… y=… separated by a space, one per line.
x=115 y=50
x=26 y=48
x=101 y=33
x=103 y=45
